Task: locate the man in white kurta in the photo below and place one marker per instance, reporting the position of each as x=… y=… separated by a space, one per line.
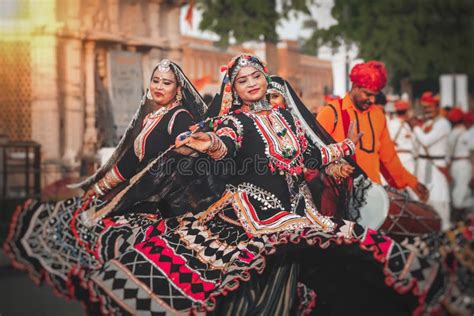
x=402 y=135
x=469 y=123
x=431 y=166
x=460 y=163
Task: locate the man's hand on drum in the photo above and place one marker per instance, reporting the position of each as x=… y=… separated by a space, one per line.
x=352 y=133
x=422 y=192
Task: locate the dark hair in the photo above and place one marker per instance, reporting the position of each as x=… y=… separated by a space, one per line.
x=251 y=58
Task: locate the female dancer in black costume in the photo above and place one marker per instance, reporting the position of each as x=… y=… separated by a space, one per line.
x=265 y=221
x=49 y=240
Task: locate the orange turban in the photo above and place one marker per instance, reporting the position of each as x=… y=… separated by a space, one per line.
x=455 y=115
x=468 y=118
x=402 y=105
x=371 y=75
x=428 y=99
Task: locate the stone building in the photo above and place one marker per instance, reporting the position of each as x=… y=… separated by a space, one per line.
x=311 y=77
x=73 y=71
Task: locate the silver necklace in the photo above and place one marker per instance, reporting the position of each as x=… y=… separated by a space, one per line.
x=262 y=105
x=164 y=109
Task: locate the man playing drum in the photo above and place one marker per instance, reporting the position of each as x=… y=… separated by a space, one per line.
x=376 y=151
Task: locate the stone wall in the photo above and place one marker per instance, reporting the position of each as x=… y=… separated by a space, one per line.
x=66 y=100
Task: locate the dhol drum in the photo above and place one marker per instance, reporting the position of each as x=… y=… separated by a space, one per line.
x=374 y=211
x=409 y=218
x=396 y=214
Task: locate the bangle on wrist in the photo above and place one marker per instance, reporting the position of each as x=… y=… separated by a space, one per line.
x=98 y=190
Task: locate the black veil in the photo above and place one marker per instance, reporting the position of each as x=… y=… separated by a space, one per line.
x=192 y=101
x=166 y=186
x=342 y=199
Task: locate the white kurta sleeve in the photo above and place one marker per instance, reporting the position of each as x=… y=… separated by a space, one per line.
x=431 y=137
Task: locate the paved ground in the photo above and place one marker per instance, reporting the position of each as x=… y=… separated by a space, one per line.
x=20 y=296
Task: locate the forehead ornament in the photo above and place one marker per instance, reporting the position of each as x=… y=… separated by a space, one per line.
x=164 y=65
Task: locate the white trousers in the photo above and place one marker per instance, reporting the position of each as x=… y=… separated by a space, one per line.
x=436 y=182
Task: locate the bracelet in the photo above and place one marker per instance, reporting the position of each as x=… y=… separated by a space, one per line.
x=111 y=179
x=335 y=152
x=217 y=150
x=214 y=143
x=106 y=184
x=349 y=148
x=334 y=170
x=98 y=190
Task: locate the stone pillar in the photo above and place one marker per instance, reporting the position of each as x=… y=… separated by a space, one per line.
x=72 y=88
x=90 y=132
x=73 y=102
x=45 y=111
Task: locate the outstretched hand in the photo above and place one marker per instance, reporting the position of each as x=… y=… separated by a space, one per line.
x=187 y=142
x=352 y=133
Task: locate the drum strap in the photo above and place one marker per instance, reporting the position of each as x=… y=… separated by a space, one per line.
x=346 y=121
x=336 y=117
x=398 y=133
x=432 y=157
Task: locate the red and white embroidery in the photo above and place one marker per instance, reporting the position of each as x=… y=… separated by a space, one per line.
x=229 y=126
x=282 y=146
x=335 y=152
x=173 y=118
x=227 y=131
x=253 y=224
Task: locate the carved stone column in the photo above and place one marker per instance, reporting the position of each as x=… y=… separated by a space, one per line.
x=73 y=102
x=45 y=112
x=45 y=109
x=72 y=88
x=90 y=132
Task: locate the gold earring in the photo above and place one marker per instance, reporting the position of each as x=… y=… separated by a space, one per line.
x=179 y=96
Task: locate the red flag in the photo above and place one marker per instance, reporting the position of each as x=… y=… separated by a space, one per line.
x=189 y=14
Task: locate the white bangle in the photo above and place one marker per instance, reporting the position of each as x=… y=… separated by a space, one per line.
x=98 y=189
